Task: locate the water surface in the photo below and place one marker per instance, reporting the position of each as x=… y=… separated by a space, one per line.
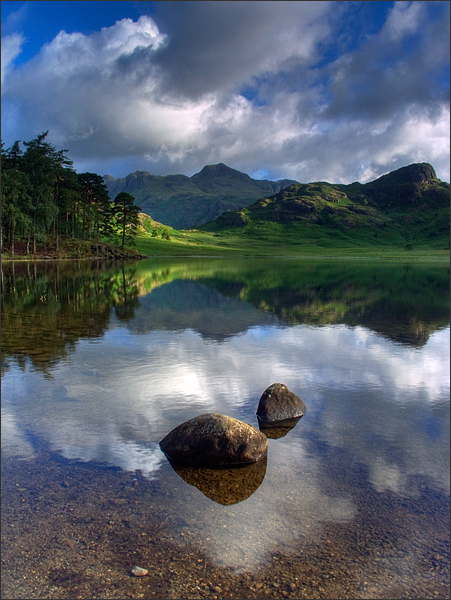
x=100 y=361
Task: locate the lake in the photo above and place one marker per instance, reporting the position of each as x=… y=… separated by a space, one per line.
x=101 y=360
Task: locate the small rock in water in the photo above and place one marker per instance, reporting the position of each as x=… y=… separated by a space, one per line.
x=139 y=572
x=278 y=405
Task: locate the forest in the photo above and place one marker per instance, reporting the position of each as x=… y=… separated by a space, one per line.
x=44 y=200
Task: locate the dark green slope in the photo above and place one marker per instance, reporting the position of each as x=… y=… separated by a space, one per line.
x=409 y=206
x=183 y=202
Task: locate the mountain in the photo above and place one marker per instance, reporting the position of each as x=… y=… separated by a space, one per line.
x=183 y=202
x=407 y=206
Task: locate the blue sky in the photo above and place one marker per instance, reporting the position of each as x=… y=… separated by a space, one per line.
x=334 y=91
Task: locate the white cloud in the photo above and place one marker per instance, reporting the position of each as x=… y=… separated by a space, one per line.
x=404 y=19
x=240 y=83
x=11 y=48
x=422 y=136
x=69 y=54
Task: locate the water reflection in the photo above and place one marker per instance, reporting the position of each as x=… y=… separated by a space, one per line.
x=101 y=364
x=279 y=429
x=224 y=486
x=47 y=307
x=289 y=505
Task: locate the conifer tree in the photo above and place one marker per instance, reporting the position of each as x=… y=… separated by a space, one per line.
x=43 y=164
x=126 y=213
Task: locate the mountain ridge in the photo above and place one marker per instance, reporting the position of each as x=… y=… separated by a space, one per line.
x=182 y=202
x=407 y=206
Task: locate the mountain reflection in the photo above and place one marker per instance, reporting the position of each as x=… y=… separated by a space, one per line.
x=100 y=363
x=48 y=307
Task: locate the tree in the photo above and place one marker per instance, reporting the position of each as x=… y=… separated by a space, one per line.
x=126 y=214
x=43 y=165
x=43 y=197
x=16 y=198
x=96 y=205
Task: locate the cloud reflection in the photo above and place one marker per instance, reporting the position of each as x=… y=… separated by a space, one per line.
x=384 y=404
x=288 y=506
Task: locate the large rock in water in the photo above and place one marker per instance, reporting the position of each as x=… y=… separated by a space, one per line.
x=214 y=440
x=279 y=406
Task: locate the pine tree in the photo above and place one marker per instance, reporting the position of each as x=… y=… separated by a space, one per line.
x=96 y=205
x=126 y=213
x=16 y=196
x=43 y=165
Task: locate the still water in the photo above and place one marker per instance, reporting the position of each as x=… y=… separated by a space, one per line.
x=100 y=362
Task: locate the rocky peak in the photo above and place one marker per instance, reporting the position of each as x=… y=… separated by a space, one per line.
x=216 y=171
x=415 y=173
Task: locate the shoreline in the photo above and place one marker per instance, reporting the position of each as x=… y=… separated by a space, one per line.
x=338 y=254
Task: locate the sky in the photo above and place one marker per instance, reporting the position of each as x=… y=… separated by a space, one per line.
x=311 y=91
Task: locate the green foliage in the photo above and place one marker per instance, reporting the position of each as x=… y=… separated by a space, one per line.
x=45 y=200
x=125 y=216
x=147 y=224
x=96 y=207
x=16 y=205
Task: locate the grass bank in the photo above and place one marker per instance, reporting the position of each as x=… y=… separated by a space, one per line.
x=204 y=243
x=192 y=243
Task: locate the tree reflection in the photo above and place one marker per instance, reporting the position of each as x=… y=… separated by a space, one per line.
x=48 y=306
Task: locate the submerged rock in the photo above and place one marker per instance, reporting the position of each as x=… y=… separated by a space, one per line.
x=278 y=406
x=212 y=439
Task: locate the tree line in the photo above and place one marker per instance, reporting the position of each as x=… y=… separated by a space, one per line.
x=44 y=200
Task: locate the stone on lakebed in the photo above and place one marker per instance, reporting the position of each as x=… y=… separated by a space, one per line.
x=278 y=406
x=212 y=439
x=139 y=571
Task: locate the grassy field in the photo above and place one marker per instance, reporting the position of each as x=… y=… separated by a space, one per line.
x=236 y=242
x=203 y=243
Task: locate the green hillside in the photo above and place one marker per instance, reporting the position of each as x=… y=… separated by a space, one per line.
x=181 y=202
x=406 y=208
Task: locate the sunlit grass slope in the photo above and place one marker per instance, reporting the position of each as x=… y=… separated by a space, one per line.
x=203 y=243
x=402 y=214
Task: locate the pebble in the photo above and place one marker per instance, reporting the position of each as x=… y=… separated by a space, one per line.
x=139 y=572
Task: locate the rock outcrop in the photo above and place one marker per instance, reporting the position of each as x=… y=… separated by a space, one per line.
x=214 y=440
x=279 y=406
